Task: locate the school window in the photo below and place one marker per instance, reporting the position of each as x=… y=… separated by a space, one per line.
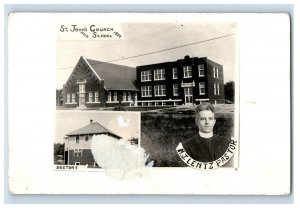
x=187 y=71
x=115 y=96
x=129 y=96
x=202 y=88
x=124 y=96
x=146 y=91
x=90 y=97
x=216 y=89
x=216 y=72
x=160 y=90
x=96 y=96
x=201 y=70
x=68 y=98
x=77 y=139
x=93 y=97
x=175 y=73
x=86 y=138
x=73 y=98
x=135 y=96
x=109 y=97
x=146 y=75
x=159 y=74
x=175 y=89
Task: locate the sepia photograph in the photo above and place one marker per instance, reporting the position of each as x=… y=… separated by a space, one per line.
x=88 y=140
x=166 y=71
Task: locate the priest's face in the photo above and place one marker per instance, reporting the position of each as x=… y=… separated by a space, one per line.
x=206 y=121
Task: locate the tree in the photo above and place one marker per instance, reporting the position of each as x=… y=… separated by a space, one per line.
x=59 y=149
x=59 y=153
x=229 y=91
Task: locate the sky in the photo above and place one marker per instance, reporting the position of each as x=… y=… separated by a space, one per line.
x=125 y=124
x=173 y=40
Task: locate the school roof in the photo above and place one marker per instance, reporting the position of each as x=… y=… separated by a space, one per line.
x=116 y=77
x=93 y=128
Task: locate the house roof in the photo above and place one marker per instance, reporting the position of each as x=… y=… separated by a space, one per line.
x=116 y=77
x=93 y=128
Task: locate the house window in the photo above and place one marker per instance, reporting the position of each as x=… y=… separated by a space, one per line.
x=159 y=74
x=187 y=71
x=109 y=97
x=115 y=96
x=77 y=153
x=73 y=98
x=216 y=89
x=96 y=164
x=77 y=139
x=201 y=70
x=160 y=90
x=90 y=97
x=146 y=75
x=129 y=96
x=202 y=88
x=86 y=138
x=175 y=73
x=77 y=163
x=146 y=91
x=175 y=89
x=124 y=96
x=135 y=96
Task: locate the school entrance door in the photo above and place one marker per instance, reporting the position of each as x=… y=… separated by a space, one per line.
x=188 y=94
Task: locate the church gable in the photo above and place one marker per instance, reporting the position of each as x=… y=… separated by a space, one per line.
x=82 y=73
x=84 y=87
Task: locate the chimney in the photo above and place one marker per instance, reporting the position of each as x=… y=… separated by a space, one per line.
x=91 y=121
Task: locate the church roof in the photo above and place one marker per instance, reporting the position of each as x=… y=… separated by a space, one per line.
x=116 y=77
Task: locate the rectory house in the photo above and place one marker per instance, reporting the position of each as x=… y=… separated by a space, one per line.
x=78 y=144
x=191 y=80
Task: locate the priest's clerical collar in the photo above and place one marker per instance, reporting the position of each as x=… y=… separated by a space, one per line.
x=206 y=135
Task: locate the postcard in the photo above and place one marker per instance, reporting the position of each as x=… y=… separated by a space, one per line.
x=149 y=103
